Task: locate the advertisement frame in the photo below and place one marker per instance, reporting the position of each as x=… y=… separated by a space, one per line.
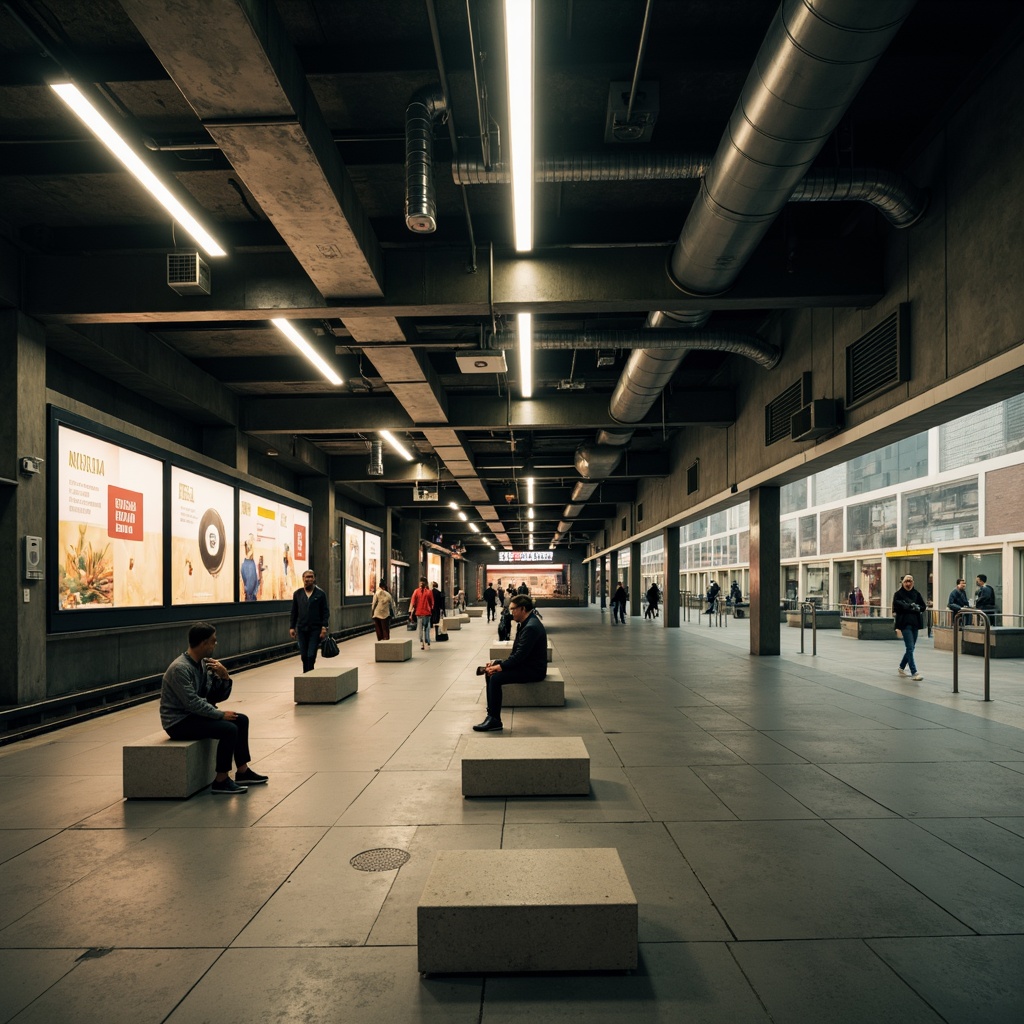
x=75 y=621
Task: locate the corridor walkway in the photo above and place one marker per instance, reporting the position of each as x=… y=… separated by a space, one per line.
x=811 y=839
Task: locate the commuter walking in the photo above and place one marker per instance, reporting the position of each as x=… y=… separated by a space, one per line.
x=908 y=608
x=381 y=610
x=309 y=618
x=491 y=600
x=421 y=604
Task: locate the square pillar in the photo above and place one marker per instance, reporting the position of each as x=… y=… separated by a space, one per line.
x=670 y=607
x=634 y=578
x=325 y=543
x=765 y=571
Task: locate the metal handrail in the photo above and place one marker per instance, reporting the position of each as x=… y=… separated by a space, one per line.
x=956 y=646
x=814 y=626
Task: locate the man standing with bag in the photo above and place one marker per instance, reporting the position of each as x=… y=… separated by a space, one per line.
x=310 y=616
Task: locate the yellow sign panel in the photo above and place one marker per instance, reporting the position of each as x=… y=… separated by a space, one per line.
x=917 y=553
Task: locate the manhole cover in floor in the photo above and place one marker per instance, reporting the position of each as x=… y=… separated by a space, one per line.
x=382 y=859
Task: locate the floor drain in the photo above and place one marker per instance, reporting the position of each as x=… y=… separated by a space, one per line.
x=381 y=859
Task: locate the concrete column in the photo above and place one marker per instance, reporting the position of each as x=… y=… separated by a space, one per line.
x=634 y=578
x=765 y=571
x=602 y=581
x=228 y=445
x=613 y=574
x=670 y=608
x=324 y=541
x=23 y=506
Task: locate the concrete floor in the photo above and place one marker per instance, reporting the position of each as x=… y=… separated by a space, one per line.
x=811 y=839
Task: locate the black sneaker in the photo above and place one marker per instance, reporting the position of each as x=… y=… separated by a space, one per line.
x=249 y=778
x=227 y=788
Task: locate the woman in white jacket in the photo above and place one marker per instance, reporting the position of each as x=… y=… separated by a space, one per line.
x=381 y=610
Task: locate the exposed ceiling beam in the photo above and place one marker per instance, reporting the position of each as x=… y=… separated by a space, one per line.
x=258 y=286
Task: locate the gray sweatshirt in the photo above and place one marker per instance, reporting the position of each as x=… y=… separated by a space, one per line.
x=184 y=692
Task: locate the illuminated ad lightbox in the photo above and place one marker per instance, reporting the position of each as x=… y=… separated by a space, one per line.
x=373 y=567
x=109 y=525
x=202 y=539
x=354 y=580
x=273 y=548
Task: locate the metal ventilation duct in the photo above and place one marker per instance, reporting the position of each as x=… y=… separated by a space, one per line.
x=420 y=198
x=376 y=466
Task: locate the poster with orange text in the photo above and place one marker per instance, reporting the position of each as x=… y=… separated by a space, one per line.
x=273 y=548
x=109 y=524
x=202 y=539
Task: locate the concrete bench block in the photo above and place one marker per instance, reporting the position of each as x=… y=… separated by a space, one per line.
x=157 y=767
x=1004 y=641
x=526 y=766
x=449 y=622
x=463 y=617
x=328 y=685
x=392 y=650
x=548 y=693
x=501 y=649
x=474 y=613
x=864 y=627
x=526 y=910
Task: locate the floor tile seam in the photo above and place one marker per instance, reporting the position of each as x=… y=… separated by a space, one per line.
x=896 y=874
x=304 y=782
x=696 y=877
x=966 y=853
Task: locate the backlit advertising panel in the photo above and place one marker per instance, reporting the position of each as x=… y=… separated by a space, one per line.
x=373 y=567
x=273 y=548
x=109 y=525
x=354 y=569
x=202 y=539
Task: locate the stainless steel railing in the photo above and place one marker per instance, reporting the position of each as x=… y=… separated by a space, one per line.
x=987 y=624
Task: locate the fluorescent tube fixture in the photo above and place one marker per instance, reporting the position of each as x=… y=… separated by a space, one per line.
x=519 y=61
x=529 y=515
x=453 y=505
x=395 y=445
x=107 y=134
x=524 y=325
x=463 y=516
x=529 y=490
x=286 y=328
x=474 y=527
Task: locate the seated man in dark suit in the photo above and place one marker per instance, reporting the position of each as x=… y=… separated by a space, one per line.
x=528 y=662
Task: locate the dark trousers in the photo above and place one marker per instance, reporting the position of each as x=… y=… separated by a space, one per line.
x=497 y=680
x=232 y=737
x=383 y=627
x=490 y=613
x=308 y=641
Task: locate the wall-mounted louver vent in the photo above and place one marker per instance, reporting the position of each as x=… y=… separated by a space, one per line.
x=778 y=414
x=820 y=418
x=693 y=477
x=880 y=360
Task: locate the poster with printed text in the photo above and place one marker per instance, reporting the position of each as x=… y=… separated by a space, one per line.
x=109 y=525
x=354 y=580
x=372 y=561
x=202 y=539
x=273 y=548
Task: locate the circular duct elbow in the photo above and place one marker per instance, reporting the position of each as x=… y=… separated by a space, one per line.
x=597 y=461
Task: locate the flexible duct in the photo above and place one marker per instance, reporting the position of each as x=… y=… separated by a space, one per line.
x=376 y=466
x=420 y=196
x=900 y=201
x=748 y=345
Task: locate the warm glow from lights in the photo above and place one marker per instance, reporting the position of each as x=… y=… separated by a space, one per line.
x=104 y=131
x=529 y=490
x=285 y=327
x=453 y=505
x=463 y=516
x=474 y=527
x=395 y=445
x=524 y=325
x=529 y=513
x=519 y=61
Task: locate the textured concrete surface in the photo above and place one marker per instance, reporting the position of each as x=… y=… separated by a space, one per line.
x=450 y=623
x=548 y=692
x=392 y=650
x=501 y=649
x=781 y=820
x=327 y=685
x=158 y=766
x=526 y=766
x=527 y=910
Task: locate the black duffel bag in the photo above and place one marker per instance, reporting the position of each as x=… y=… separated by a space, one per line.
x=329 y=647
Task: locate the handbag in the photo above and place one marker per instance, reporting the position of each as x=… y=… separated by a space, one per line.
x=441 y=637
x=329 y=647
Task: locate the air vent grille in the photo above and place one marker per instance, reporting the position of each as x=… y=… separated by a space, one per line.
x=880 y=360
x=778 y=414
x=693 y=477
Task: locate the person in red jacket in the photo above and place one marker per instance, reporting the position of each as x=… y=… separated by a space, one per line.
x=421 y=604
